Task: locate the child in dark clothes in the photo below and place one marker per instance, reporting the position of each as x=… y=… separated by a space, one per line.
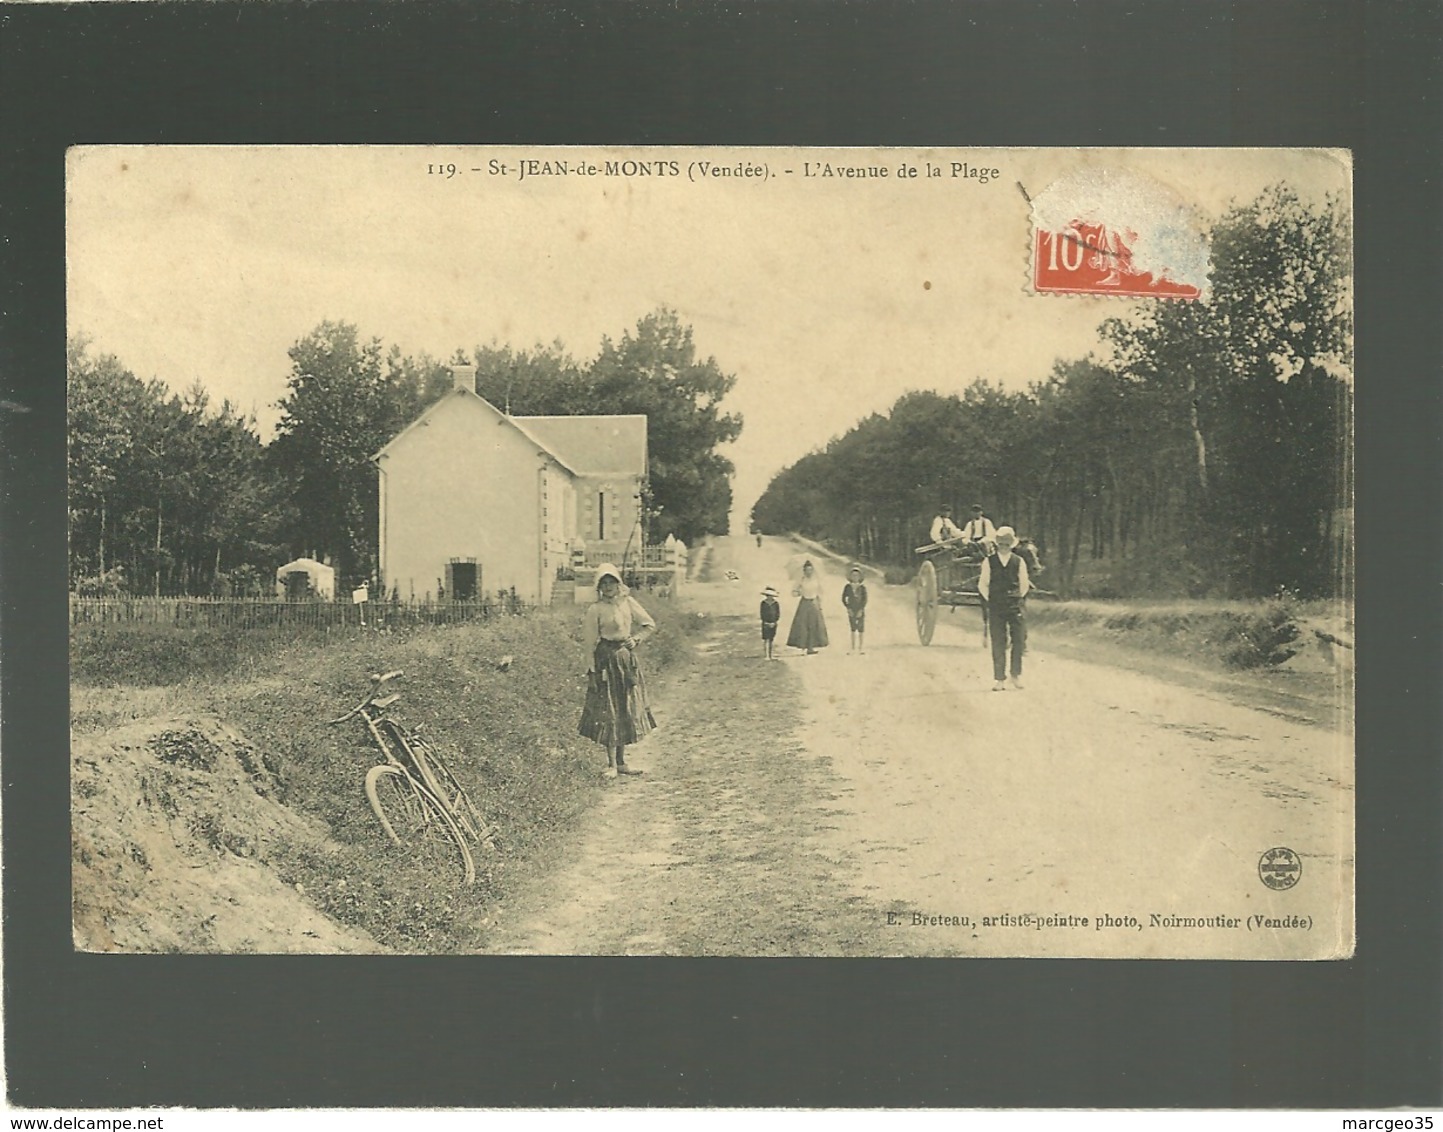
x=854 y=597
x=771 y=618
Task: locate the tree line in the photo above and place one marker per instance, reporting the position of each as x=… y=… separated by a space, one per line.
x=171 y=493
x=1204 y=448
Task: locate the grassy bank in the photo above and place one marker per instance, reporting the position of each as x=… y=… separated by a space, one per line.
x=1267 y=655
x=509 y=736
x=1233 y=636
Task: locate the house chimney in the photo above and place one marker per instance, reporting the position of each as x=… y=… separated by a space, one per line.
x=464 y=377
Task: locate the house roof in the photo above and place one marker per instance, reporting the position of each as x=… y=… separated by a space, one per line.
x=610 y=445
x=583 y=445
x=436 y=406
x=309 y=565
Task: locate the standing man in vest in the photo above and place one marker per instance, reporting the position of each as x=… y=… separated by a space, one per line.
x=1003 y=585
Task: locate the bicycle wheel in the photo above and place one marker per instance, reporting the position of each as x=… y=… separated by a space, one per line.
x=414 y=819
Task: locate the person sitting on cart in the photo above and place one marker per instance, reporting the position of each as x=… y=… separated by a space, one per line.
x=944 y=530
x=979 y=530
x=1003 y=585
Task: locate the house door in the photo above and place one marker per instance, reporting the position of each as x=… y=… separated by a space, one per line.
x=298 y=585
x=463 y=581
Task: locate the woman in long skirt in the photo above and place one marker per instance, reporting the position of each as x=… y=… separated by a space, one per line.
x=616 y=713
x=809 y=630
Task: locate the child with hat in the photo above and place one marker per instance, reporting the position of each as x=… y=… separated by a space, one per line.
x=771 y=618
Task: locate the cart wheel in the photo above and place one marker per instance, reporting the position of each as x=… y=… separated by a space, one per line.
x=926 y=602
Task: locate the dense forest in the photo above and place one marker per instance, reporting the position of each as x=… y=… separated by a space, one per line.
x=1204 y=448
x=172 y=494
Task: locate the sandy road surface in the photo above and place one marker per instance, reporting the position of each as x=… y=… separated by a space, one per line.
x=892 y=804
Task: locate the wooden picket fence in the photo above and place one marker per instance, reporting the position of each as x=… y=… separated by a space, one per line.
x=272 y=613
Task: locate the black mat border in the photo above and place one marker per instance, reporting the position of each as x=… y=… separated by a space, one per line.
x=109 y=1031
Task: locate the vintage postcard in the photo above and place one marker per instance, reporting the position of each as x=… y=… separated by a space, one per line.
x=712 y=552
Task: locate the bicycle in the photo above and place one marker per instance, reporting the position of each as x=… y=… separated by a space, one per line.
x=414 y=794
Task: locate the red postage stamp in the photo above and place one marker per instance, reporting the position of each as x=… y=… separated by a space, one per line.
x=1109 y=232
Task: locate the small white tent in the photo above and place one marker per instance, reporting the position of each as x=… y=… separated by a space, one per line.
x=304 y=578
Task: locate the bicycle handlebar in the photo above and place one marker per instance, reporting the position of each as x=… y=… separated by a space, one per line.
x=378 y=681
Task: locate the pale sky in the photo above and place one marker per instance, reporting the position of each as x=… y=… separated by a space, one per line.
x=827 y=297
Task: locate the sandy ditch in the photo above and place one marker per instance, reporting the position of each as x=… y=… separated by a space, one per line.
x=175 y=827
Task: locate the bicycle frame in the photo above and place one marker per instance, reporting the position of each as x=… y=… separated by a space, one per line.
x=409 y=757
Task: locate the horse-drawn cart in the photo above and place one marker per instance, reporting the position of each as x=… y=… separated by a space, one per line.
x=948 y=576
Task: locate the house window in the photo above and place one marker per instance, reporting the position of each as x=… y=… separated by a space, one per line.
x=601 y=514
x=463 y=579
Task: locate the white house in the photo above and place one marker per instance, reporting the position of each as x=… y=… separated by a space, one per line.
x=474 y=501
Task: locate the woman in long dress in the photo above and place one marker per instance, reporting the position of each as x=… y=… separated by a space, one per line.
x=616 y=713
x=809 y=630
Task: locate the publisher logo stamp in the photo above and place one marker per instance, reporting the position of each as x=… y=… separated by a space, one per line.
x=1280 y=869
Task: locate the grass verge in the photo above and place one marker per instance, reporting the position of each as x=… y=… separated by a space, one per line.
x=1261 y=653
x=509 y=735
x=1227 y=635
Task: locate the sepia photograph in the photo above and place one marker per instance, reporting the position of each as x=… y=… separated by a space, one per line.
x=592 y=551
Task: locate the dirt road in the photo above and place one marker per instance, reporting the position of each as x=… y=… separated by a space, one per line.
x=892 y=804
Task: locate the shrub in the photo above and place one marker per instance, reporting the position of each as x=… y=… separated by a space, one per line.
x=245 y=581
x=1263 y=639
x=112 y=583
